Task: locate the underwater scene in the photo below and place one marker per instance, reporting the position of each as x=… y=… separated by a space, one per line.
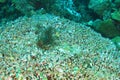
x=59 y=39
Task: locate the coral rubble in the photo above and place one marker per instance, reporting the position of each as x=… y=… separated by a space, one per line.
x=79 y=53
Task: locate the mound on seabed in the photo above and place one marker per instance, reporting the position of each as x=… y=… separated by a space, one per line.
x=78 y=53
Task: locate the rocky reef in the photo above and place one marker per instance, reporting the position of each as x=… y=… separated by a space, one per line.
x=76 y=10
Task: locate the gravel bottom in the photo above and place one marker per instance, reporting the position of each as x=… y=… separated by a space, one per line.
x=79 y=52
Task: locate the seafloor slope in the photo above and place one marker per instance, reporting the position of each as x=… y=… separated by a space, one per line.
x=77 y=52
